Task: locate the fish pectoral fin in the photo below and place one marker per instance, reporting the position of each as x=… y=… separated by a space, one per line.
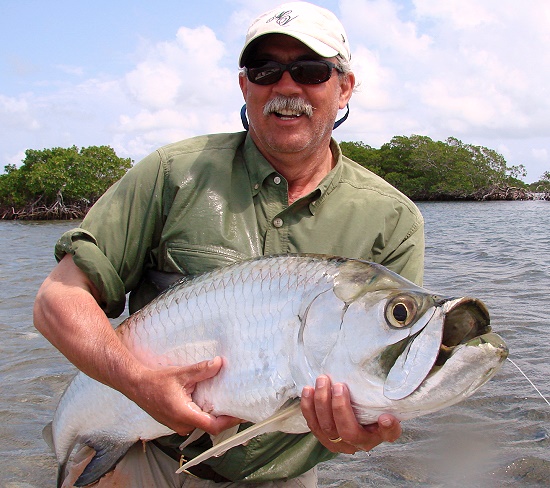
x=196 y=434
x=106 y=457
x=272 y=424
x=216 y=439
x=226 y=434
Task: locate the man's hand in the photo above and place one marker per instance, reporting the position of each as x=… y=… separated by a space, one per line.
x=329 y=415
x=166 y=395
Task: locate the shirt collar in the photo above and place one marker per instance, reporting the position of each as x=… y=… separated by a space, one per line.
x=257 y=166
x=259 y=169
x=330 y=181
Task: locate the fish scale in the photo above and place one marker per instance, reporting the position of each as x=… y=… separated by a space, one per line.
x=258 y=336
x=279 y=322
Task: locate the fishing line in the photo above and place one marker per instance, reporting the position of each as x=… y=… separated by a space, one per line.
x=532 y=384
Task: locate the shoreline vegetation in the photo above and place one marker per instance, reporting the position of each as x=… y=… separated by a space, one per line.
x=59 y=183
x=77 y=211
x=57 y=211
x=64 y=183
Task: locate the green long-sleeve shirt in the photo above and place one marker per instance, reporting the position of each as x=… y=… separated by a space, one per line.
x=212 y=200
x=209 y=201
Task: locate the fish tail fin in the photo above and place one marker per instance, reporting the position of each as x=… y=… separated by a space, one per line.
x=61 y=474
x=47 y=435
x=271 y=424
x=106 y=457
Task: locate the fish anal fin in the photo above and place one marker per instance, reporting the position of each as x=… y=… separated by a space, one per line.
x=106 y=457
x=272 y=424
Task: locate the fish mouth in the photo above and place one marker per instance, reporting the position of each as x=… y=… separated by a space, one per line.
x=467 y=322
x=467 y=325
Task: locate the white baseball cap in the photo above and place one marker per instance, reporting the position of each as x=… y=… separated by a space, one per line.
x=317 y=27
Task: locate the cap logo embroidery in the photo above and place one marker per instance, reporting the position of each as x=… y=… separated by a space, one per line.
x=283 y=18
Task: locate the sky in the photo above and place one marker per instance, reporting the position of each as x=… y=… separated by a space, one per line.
x=136 y=74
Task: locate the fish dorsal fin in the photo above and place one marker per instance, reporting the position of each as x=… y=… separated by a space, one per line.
x=47 y=435
x=272 y=424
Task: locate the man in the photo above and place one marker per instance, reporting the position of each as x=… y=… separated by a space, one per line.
x=282 y=186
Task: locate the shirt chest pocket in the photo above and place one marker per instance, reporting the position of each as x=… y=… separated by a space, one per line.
x=188 y=259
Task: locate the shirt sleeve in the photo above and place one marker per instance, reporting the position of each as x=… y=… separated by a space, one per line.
x=113 y=243
x=407 y=258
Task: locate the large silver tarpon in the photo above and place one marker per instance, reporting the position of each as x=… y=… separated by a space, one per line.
x=278 y=323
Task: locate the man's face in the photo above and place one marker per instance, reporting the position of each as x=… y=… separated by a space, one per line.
x=278 y=134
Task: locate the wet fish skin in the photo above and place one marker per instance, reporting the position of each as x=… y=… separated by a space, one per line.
x=278 y=323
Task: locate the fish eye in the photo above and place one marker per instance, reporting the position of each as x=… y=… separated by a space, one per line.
x=401 y=311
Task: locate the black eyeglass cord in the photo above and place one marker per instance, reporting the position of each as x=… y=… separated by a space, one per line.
x=244 y=120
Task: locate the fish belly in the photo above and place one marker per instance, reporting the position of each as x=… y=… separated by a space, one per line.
x=249 y=316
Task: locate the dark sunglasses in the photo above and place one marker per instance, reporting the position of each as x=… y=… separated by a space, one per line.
x=307 y=72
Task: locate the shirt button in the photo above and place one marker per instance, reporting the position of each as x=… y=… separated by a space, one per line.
x=278 y=222
x=277 y=180
x=256 y=186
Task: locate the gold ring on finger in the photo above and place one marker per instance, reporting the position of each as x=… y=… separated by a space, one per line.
x=335 y=441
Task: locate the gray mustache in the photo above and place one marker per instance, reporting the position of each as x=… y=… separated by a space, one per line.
x=294 y=104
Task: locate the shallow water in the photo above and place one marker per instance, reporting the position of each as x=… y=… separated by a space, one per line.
x=499 y=252
x=496 y=251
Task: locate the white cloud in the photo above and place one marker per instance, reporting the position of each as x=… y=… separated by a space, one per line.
x=180 y=88
x=176 y=89
x=153 y=85
x=376 y=84
x=186 y=70
x=71 y=70
x=378 y=25
x=16 y=113
x=541 y=155
x=470 y=69
x=464 y=68
x=461 y=14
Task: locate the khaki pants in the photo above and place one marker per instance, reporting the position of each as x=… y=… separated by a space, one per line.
x=151 y=468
